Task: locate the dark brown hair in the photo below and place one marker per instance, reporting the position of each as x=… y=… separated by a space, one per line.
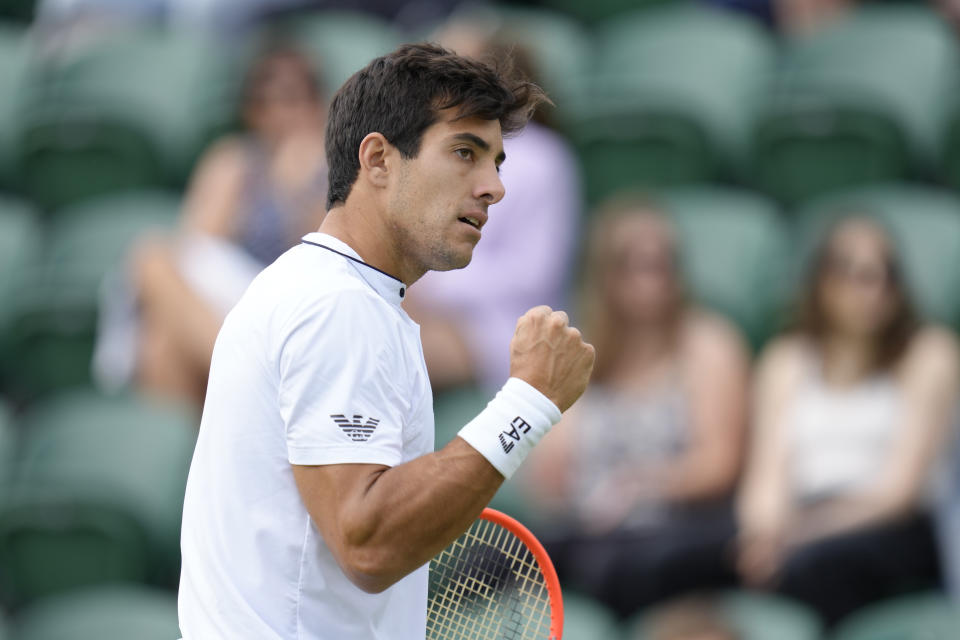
x=811 y=319
x=400 y=94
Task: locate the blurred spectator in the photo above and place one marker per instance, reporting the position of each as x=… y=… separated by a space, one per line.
x=467 y=317
x=761 y=10
x=639 y=472
x=800 y=17
x=252 y=197
x=689 y=619
x=238 y=15
x=949 y=10
x=851 y=411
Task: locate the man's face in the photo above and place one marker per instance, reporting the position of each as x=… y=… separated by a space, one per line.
x=437 y=203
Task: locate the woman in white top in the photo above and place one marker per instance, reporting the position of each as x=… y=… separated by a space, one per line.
x=850 y=412
x=639 y=473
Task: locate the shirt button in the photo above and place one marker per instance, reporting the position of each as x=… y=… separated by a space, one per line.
x=402 y=291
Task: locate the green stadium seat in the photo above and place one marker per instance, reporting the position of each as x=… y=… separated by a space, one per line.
x=863 y=100
x=454 y=408
x=732 y=247
x=560 y=47
x=20 y=245
x=127 y=612
x=673 y=99
x=52 y=333
x=926 y=224
x=126 y=112
x=599 y=10
x=754 y=616
x=13 y=56
x=8 y=444
x=765 y=617
x=96 y=495
x=586 y=619
x=950 y=148
x=341 y=43
x=18 y=10
x=926 y=616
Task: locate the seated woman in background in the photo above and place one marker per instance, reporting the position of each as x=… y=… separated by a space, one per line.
x=639 y=472
x=851 y=410
x=251 y=198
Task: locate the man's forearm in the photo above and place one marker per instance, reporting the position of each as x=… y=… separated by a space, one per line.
x=410 y=512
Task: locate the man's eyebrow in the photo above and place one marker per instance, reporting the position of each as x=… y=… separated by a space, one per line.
x=481 y=143
x=475 y=139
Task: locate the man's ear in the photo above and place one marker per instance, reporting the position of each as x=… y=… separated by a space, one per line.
x=375 y=155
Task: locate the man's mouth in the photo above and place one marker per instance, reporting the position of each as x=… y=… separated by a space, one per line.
x=470 y=220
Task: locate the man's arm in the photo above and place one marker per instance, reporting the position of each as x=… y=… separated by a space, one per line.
x=383 y=522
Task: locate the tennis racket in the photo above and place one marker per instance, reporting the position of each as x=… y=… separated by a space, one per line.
x=494 y=582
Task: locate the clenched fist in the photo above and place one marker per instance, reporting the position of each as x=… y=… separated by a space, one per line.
x=551 y=355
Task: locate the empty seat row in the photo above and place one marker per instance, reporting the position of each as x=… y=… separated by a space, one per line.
x=670 y=94
x=136 y=611
x=135 y=108
x=684 y=94
x=92 y=493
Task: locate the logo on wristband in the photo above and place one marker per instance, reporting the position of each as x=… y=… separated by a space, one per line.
x=518 y=426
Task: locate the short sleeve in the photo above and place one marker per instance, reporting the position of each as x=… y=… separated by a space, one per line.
x=340 y=382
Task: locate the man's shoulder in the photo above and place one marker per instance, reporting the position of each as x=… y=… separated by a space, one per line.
x=302 y=275
x=320 y=286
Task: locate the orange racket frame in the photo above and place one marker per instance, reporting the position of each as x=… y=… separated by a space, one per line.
x=546 y=565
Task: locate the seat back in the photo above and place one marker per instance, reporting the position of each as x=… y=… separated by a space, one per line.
x=96 y=494
x=341 y=42
x=13 y=56
x=863 y=100
x=915 y=617
x=674 y=96
x=124 y=112
x=732 y=246
x=120 y=611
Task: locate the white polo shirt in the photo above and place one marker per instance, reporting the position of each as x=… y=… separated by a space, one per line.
x=317 y=364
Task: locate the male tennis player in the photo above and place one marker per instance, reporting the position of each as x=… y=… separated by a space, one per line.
x=315 y=499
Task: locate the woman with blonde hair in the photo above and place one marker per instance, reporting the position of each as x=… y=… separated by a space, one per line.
x=640 y=470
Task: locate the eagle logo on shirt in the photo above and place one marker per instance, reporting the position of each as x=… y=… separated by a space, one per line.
x=356 y=429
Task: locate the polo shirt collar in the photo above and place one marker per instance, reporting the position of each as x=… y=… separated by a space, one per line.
x=390 y=289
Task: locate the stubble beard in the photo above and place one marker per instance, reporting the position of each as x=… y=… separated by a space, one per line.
x=426 y=248
x=421 y=246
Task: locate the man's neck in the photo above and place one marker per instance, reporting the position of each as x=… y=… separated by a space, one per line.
x=370 y=237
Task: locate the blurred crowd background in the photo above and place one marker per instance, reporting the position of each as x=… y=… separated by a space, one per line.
x=749 y=206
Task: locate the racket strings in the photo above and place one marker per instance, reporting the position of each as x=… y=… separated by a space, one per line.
x=487 y=586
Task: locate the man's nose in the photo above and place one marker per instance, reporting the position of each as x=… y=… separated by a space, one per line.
x=491 y=188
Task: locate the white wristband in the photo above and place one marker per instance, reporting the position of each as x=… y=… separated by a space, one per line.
x=511 y=425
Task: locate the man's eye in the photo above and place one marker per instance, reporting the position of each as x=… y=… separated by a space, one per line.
x=465 y=154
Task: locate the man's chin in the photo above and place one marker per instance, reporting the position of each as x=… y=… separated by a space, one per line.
x=453 y=260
